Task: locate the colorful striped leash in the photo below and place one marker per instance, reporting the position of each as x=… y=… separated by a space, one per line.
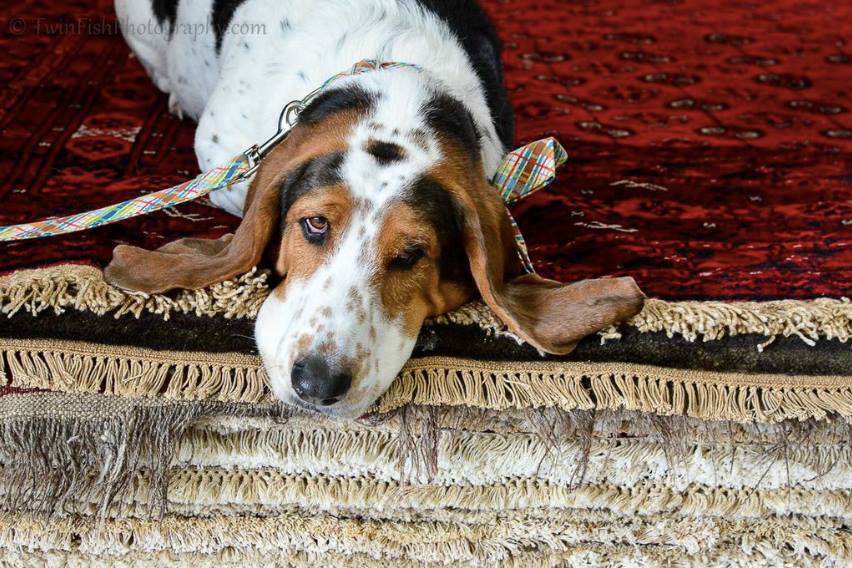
x=522 y=172
x=211 y=180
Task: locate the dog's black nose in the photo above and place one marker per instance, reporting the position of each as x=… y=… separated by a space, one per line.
x=317 y=383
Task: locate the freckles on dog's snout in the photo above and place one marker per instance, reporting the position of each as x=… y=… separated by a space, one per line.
x=318 y=382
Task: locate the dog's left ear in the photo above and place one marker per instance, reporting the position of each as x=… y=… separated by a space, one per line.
x=549 y=315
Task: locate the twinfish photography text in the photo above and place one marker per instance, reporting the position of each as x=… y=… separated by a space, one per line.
x=108 y=26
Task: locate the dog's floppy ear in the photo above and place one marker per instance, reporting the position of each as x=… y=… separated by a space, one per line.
x=196 y=263
x=549 y=315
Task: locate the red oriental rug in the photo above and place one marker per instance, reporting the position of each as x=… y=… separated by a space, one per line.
x=710 y=158
x=710 y=144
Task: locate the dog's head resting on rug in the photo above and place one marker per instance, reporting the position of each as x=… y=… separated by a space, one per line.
x=371 y=230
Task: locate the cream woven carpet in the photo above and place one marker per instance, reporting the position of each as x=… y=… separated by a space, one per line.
x=125 y=440
x=453 y=486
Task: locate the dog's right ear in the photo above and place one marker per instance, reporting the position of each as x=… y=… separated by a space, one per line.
x=196 y=263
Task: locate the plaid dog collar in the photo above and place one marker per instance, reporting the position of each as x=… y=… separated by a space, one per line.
x=522 y=172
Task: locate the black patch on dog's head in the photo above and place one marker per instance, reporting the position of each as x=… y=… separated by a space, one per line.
x=336 y=100
x=436 y=206
x=385 y=152
x=165 y=11
x=223 y=12
x=315 y=173
x=448 y=116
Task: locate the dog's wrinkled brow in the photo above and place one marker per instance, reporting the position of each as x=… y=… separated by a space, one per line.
x=320 y=171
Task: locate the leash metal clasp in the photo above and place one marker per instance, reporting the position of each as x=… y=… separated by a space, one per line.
x=286 y=120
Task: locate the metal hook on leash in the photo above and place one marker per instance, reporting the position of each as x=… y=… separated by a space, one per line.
x=290 y=113
x=286 y=120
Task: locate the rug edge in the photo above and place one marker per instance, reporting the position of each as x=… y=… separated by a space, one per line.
x=83 y=288
x=80 y=367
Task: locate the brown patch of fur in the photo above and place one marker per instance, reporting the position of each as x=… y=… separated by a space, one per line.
x=327 y=347
x=360 y=364
x=355 y=303
x=355 y=295
x=416 y=293
x=420 y=138
x=301 y=346
x=305 y=341
x=405 y=292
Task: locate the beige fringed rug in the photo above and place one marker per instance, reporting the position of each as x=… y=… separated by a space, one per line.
x=655 y=370
x=139 y=431
x=436 y=485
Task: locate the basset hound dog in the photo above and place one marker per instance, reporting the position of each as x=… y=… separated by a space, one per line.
x=375 y=213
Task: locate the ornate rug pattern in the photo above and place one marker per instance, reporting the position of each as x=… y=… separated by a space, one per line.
x=709 y=149
x=708 y=157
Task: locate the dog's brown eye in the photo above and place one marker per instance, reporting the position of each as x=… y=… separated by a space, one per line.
x=408 y=258
x=315 y=228
x=317 y=225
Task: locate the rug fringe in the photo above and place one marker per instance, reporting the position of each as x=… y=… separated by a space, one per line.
x=480 y=458
x=586 y=386
x=438 y=381
x=102 y=449
x=65 y=367
x=84 y=288
x=554 y=424
x=808 y=320
x=422 y=540
x=66 y=447
x=317 y=492
x=50 y=462
x=271 y=492
x=805 y=552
